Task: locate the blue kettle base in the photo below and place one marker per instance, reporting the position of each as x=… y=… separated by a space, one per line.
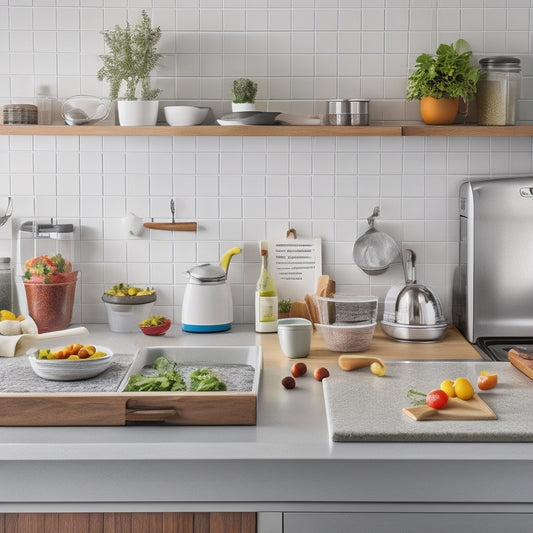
x=213 y=328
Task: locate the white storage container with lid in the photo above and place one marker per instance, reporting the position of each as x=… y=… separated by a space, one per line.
x=498 y=91
x=40 y=237
x=125 y=312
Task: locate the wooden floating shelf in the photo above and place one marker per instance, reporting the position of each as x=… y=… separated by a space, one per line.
x=172 y=226
x=467 y=130
x=406 y=130
x=192 y=131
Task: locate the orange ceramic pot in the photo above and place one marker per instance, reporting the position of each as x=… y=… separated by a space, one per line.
x=439 y=110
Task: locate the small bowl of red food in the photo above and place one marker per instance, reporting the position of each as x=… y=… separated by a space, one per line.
x=155 y=325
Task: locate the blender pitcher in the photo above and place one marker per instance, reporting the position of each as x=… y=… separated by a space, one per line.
x=45 y=251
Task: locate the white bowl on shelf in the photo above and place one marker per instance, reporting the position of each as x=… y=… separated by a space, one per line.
x=185 y=115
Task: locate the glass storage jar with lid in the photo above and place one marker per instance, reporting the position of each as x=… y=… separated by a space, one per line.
x=5 y=284
x=498 y=91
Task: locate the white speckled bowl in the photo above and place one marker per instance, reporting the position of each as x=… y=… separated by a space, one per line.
x=70 y=369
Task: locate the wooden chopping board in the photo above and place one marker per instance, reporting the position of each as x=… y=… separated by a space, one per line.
x=524 y=365
x=456 y=409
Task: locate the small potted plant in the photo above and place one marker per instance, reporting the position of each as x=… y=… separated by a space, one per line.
x=244 y=92
x=131 y=58
x=440 y=80
x=284 y=307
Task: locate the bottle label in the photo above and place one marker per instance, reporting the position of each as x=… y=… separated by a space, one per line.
x=268 y=308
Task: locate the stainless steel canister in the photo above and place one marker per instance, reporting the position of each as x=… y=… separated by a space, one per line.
x=359 y=111
x=353 y=112
x=338 y=113
x=498 y=90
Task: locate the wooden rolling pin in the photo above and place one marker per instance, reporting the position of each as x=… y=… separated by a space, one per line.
x=351 y=362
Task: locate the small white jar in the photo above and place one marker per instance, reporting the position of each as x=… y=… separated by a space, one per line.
x=294 y=336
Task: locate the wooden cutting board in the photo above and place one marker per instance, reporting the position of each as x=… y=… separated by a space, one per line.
x=456 y=409
x=524 y=365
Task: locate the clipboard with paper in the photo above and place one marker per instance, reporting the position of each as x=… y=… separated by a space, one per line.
x=295 y=264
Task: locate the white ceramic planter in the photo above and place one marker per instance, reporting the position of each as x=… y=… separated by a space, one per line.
x=242 y=107
x=137 y=112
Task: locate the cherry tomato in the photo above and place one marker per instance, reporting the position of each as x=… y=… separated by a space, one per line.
x=436 y=399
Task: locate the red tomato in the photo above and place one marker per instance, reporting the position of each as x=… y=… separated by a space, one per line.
x=436 y=399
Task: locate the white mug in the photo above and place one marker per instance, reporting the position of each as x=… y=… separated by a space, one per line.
x=294 y=336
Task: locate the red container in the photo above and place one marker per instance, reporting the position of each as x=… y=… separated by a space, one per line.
x=50 y=305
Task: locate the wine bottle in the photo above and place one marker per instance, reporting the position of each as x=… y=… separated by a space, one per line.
x=266 y=300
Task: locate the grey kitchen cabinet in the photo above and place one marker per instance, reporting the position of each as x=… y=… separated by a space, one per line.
x=407 y=522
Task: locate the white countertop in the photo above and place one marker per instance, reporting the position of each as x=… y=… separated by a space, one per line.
x=286 y=461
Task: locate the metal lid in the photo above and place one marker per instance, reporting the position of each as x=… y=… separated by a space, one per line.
x=500 y=62
x=45 y=230
x=338 y=107
x=207 y=272
x=359 y=106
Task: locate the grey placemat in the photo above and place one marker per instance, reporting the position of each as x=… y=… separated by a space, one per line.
x=16 y=375
x=364 y=407
x=237 y=377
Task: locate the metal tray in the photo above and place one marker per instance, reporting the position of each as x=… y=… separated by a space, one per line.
x=238 y=366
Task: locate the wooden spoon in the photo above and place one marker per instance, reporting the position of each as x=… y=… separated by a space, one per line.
x=351 y=362
x=312 y=309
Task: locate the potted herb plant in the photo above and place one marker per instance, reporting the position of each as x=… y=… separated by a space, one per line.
x=244 y=92
x=131 y=58
x=439 y=80
x=284 y=307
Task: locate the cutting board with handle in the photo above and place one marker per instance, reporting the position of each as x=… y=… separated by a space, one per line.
x=524 y=365
x=456 y=409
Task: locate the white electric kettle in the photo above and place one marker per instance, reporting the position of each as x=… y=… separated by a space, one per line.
x=207 y=302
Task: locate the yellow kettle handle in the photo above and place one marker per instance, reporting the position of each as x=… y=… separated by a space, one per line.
x=226 y=258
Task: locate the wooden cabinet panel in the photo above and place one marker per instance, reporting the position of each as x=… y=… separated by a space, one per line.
x=224 y=522
x=51 y=522
x=117 y=523
x=178 y=522
x=127 y=522
x=147 y=522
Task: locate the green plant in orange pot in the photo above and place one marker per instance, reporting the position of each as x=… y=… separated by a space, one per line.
x=440 y=80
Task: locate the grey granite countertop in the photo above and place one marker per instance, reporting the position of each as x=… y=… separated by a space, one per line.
x=286 y=461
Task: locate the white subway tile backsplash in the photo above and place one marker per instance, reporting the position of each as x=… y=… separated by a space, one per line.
x=243 y=189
